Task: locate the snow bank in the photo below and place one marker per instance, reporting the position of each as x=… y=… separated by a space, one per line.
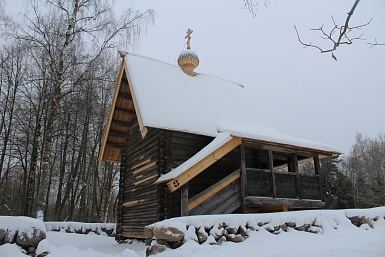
x=216 y=229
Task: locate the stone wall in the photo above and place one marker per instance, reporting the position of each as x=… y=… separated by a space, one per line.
x=23 y=231
x=216 y=229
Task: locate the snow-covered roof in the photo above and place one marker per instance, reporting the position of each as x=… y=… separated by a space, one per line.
x=167 y=98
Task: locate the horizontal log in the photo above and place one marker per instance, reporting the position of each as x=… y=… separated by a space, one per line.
x=120 y=123
x=124 y=111
x=113 y=133
x=125 y=96
x=252 y=202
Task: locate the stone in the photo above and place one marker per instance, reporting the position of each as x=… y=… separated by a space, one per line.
x=355 y=220
x=2 y=234
x=260 y=224
x=232 y=230
x=202 y=235
x=221 y=240
x=252 y=228
x=10 y=236
x=175 y=245
x=31 y=250
x=243 y=231
x=217 y=232
x=156 y=249
x=314 y=230
x=369 y=222
x=283 y=227
x=290 y=224
x=304 y=227
x=211 y=240
x=270 y=229
x=148 y=232
x=170 y=234
x=30 y=237
x=234 y=238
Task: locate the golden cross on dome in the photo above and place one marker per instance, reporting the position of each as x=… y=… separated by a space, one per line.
x=188 y=36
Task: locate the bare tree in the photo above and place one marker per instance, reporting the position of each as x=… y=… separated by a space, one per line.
x=338 y=35
x=56 y=28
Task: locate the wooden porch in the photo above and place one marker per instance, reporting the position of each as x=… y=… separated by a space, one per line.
x=269 y=179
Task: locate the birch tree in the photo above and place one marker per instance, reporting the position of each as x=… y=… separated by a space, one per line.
x=55 y=28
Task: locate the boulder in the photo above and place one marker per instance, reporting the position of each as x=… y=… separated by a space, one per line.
x=202 y=235
x=30 y=237
x=168 y=233
x=234 y=238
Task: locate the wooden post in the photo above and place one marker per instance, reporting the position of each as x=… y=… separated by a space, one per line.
x=243 y=172
x=184 y=200
x=317 y=170
x=271 y=167
x=298 y=179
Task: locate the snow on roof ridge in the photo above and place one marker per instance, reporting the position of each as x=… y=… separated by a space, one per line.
x=176 y=66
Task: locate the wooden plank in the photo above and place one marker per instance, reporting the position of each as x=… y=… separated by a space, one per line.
x=243 y=171
x=298 y=179
x=124 y=111
x=184 y=200
x=144 y=180
x=113 y=133
x=152 y=164
x=120 y=123
x=124 y=96
x=200 y=198
x=271 y=167
x=186 y=176
x=286 y=148
x=317 y=172
x=115 y=145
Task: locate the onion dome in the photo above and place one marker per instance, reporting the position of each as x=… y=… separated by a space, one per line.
x=188 y=60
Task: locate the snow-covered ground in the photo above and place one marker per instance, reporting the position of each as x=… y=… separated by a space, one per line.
x=345 y=241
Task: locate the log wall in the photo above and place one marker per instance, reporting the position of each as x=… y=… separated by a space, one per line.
x=139 y=204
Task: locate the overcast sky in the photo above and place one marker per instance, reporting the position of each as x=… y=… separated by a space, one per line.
x=299 y=91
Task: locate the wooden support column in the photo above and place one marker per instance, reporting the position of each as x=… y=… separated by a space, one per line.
x=298 y=181
x=184 y=200
x=317 y=170
x=243 y=171
x=271 y=167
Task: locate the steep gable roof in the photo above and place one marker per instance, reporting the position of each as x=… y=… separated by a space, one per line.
x=166 y=98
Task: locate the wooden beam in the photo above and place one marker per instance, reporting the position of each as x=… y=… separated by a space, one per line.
x=115 y=145
x=317 y=170
x=124 y=111
x=253 y=201
x=113 y=133
x=124 y=96
x=184 y=200
x=297 y=177
x=271 y=168
x=189 y=174
x=243 y=171
x=120 y=123
x=279 y=147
